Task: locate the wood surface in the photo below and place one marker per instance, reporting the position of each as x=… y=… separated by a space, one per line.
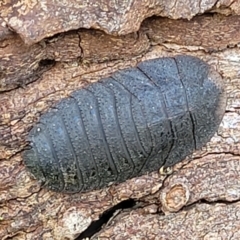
x=198 y=200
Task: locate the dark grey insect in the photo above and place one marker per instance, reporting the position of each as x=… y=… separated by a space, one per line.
x=134 y=122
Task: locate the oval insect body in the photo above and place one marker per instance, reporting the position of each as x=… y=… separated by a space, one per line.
x=134 y=122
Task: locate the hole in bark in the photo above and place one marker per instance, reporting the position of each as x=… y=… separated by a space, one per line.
x=46 y=62
x=104 y=218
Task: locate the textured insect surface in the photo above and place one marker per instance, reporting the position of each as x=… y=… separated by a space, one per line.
x=132 y=123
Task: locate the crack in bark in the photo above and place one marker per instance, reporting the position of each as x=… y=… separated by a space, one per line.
x=36 y=74
x=96 y=226
x=104 y=218
x=205 y=201
x=80 y=47
x=217 y=153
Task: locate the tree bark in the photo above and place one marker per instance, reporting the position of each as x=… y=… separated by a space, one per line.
x=198 y=200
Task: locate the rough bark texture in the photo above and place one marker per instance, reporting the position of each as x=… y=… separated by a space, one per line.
x=35 y=20
x=199 y=200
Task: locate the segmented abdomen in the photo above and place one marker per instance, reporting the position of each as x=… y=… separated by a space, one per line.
x=126 y=125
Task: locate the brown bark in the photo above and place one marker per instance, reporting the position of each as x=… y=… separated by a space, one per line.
x=35 y=20
x=199 y=200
